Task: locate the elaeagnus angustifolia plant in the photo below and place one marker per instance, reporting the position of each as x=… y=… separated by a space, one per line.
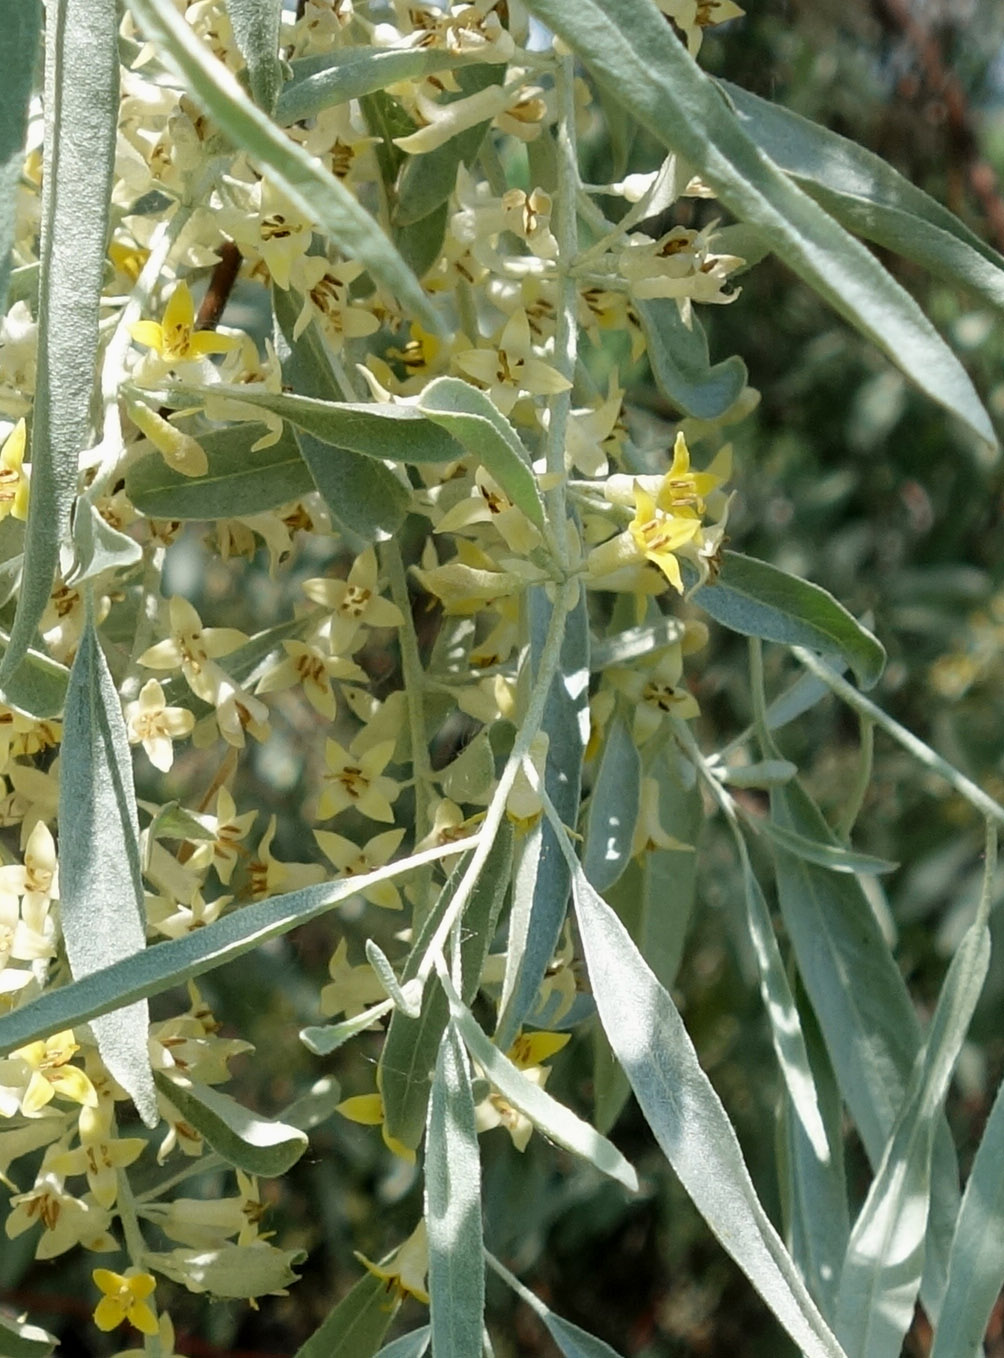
x=330 y=287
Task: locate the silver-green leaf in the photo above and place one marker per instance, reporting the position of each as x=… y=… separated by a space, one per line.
x=453 y=1207
x=687 y=1118
x=101 y=890
x=244 y=1139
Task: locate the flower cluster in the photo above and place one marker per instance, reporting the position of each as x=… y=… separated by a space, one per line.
x=256 y=377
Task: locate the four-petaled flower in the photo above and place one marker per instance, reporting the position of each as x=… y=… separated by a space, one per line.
x=154 y=725
x=125 y=1298
x=526 y=1053
x=359 y=781
x=50 y=1073
x=174 y=337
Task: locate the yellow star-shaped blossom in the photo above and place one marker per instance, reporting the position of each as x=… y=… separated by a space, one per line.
x=175 y=338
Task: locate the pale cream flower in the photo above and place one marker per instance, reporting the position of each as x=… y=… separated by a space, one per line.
x=154 y=725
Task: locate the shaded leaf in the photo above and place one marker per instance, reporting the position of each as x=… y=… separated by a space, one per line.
x=411 y=1046
x=238 y=482
x=759 y=600
x=244 y=1139
x=613 y=807
x=865 y=194
x=683 y=372
x=469 y=415
x=330 y=78
x=21 y=20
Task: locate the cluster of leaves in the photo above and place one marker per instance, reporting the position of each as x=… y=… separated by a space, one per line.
x=424 y=402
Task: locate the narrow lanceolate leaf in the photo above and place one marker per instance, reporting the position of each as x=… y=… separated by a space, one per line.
x=558 y=1123
x=566 y=722
x=453 y=1207
x=323 y=1039
x=814 y=1192
x=869 y=197
x=613 y=808
x=411 y=1046
x=687 y=1118
x=21 y=20
x=885 y=1257
x=18 y=1339
x=865 y=1013
x=101 y=890
x=976 y=1263
x=835 y=857
x=180 y=959
x=314 y=192
x=376 y=429
x=472 y=419
x=629 y=48
x=571 y=1341
x=758 y=600
x=81 y=100
x=356 y=1326
x=329 y=78
x=238 y=482
x=244 y=1139
x=256 y=32
x=683 y=372
x=785 y=1027
x=411 y=1345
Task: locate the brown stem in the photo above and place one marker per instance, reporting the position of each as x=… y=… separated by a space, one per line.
x=220 y=286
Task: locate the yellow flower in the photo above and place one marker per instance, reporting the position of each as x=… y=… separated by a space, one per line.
x=512 y=368
x=100 y=1154
x=179 y=450
x=352 y=989
x=13 y=482
x=154 y=725
x=404 y=1272
x=527 y=1053
x=683 y=490
x=175 y=337
x=692 y=17
x=368 y=1109
x=358 y=780
x=658 y=535
x=48 y=1060
x=124 y=1299
x=352 y=861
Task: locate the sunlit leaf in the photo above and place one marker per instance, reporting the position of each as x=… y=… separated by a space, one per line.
x=101 y=892
x=81 y=113
x=687 y=1118
x=453 y=1207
